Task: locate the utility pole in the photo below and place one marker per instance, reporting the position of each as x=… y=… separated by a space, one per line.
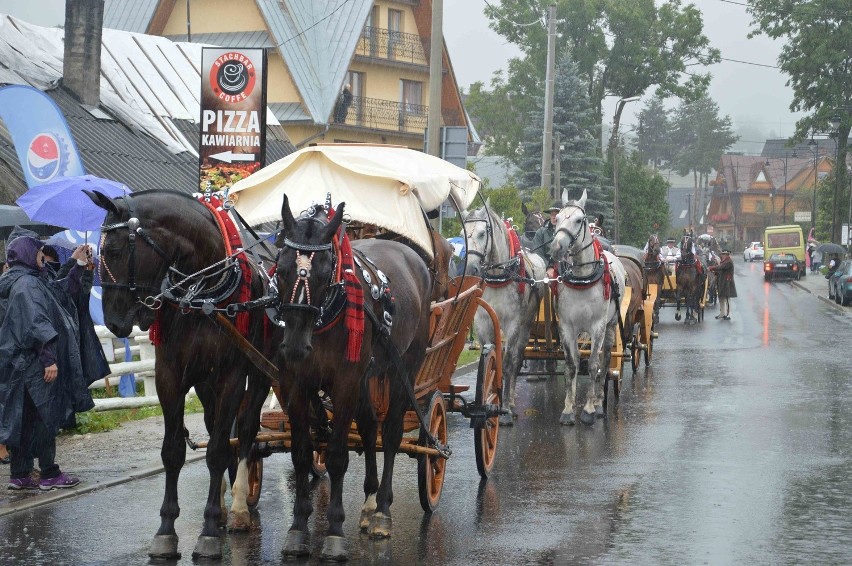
x=557 y=159
x=436 y=75
x=547 y=143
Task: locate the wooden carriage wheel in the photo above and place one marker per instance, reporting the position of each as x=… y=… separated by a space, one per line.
x=488 y=392
x=318 y=464
x=634 y=353
x=649 y=347
x=430 y=469
x=254 y=463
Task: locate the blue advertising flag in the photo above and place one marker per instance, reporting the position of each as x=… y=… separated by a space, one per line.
x=41 y=136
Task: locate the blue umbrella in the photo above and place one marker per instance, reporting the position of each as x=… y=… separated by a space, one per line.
x=61 y=202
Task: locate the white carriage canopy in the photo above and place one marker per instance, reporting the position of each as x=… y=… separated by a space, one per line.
x=387 y=186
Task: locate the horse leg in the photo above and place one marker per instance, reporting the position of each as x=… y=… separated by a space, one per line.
x=677 y=302
x=297 y=543
x=587 y=415
x=606 y=355
x=367 y=428
x=239 y=518
x=512 y=360
x=219 y=455
x=381 y=524
x=335 y=546
x=173 y=454
x=572 y=362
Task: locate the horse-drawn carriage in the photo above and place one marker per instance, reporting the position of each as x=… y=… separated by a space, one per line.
x=345 y=321
x=680 y=282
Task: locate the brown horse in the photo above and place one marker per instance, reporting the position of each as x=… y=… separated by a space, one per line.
x=654 y=268
x=311 y=270
x=690 y=281
x=532 y=222
x=162 y=253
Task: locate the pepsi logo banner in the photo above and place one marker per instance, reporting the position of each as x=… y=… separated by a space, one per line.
x=41 y=136
x=233 y=115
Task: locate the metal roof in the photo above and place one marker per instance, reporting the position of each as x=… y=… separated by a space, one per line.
x=127 y=15
x=230 y=39
x=317 y=41
x=289 y=111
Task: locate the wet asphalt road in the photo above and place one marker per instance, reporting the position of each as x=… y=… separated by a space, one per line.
x=734 y=447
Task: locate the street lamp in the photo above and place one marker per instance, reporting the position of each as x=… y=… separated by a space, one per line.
x=615 y=119
x=815 y=149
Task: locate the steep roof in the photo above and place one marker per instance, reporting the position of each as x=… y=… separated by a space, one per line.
x=145 y=133
x=317 y=41
x=132 y=16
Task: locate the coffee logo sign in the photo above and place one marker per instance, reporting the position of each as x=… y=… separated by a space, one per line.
x=232 y=77
x=232 y=124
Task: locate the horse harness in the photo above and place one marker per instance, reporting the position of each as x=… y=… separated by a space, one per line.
x=203 y=290
x=512 y=271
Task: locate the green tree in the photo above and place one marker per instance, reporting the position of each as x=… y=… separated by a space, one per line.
x=654 y=133
x=505 y=201
x=642 y=201
x=700 y=137
x=819 y=67
x=621 y=48
x=579 y=166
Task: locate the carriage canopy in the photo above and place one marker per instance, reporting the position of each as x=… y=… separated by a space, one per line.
x=388 y=186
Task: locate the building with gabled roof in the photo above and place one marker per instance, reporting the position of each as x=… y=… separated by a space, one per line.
x=140 y=126
x=380 y=48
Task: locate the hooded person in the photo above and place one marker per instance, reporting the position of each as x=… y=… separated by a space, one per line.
x=41 y=375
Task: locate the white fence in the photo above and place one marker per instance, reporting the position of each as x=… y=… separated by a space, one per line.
x=143 y=368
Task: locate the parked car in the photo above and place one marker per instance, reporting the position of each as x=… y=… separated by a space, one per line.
x=840 y=283
x=780 y=266
x=753 y=251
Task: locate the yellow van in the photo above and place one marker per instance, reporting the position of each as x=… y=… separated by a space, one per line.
x=785 y=240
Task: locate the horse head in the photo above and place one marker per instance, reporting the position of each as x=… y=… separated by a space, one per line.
x=572 y=228
x=532 y=221
x=654 y=245
x=485 y=235
x=142 y=239
x=440 y=265
x=686 y=245
x=306 y=270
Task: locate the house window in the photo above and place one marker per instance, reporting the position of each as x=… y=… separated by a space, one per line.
x=394 y=31
x=760 y=206
x=410 y=100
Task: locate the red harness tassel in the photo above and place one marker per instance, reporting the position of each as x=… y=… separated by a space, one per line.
x=354 y=312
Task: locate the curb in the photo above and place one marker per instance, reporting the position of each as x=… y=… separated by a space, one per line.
x=53 y=496
x=819 y=296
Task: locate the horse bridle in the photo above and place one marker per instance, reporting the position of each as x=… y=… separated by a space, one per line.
x=305 y=254
x=574 y=237
x=134 y=230
x=489 y=241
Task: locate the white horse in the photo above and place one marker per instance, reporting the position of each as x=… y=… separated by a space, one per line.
x=508 y=289
x=591 y=286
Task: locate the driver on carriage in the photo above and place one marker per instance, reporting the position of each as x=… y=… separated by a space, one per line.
x=544 y=236
x=670 y=253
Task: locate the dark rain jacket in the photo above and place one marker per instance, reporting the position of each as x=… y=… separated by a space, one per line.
x=725 y=277
x=33 y=323
x=542 y=239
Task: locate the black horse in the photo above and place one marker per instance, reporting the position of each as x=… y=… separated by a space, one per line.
x=156 y=256
x=532 y=222
x=312 y=274
x=654 y=269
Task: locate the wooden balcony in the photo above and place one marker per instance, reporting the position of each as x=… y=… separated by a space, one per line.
x=379 y=43
x=387 y=115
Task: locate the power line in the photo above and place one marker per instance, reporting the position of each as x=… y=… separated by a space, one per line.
x=313 y=25
x=508 y=21
x=804 y=9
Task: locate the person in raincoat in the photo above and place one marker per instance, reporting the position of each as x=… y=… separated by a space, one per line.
x=544 y=236
x=41 y=376
x=725 y=284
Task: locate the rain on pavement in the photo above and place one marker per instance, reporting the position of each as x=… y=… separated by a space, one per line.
x=733 y=447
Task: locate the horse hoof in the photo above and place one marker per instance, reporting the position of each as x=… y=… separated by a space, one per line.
x=366 y=517
x=239 y=522
x=677 y=317
x=164 y=547
x=296 y=544
x=587 y=418
x=506 y=420
x=208 y=547
x=380 y=526
x=335 y=549
x=599 y=412
x=567 y=419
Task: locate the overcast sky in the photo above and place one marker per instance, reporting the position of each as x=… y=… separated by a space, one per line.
x=751 y=95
